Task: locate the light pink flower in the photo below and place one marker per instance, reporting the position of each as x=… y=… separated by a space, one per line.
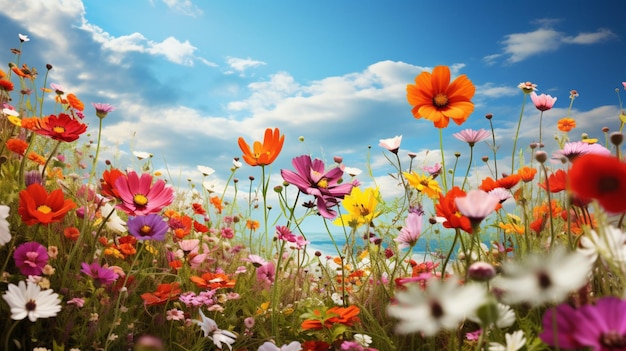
x=471 y=136
x=477 y=204
x=411 y=231
x=391 y=144
x=542 y=102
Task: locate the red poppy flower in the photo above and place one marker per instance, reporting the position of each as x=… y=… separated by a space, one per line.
x=63 y=127
x=6 y=85
x=107 y=183
x=17 y=146
x=509 y=182
x=446 y=208
x=602 y=178
x=37 y=206
x=213 y=281
x=488 y=184
x=557 y=182
x=198 y=209
x=163 y=294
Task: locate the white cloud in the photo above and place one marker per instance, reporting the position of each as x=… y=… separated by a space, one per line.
x=241 y=65
x=185 y=7
x=520 y=46
x=489 y=90
x=174 y=50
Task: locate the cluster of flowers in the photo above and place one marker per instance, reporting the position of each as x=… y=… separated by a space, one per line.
x=120 y=259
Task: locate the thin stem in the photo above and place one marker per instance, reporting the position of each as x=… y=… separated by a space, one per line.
x=519 y=123
x=540 y=129
x=43 y=170
x=9 y=332
x=443 y=162
x=468 y=166
x=445 y=263
x=494 y=149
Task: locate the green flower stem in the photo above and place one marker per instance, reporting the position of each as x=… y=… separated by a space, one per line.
x=469 y=165
x=443 y=162
x=275 y=289
x=457 y=235
x=8 y=335
x=549 y=194
x=540 y=128
x=43 y=170
x=519 y=123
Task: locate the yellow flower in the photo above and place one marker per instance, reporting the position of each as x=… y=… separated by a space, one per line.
x=361 y=206
x=424 y=184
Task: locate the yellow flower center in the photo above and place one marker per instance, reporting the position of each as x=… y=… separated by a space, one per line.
x=440 y=100
x=59 y=129
x=323 y=183
x=146 y=229
x=140 y=200
x=44 y=209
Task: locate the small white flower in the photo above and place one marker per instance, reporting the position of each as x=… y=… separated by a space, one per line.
x=607 y=244
x=269 y=346
x=5 y=234
x=363 y=339
x=237 y=164
x=206 y=171
x=506 y=316
x=23 y=37
x=442 y=305
x=211 y=331
x=514 y=342
x=337 y=299
x=391 y=144
x=114 y=221
x=28 y=300
x=543 y=278
x=142 y=155
x=10 y=112
x=353 y=172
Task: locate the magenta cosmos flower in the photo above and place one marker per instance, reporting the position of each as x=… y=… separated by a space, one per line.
x=542 y=102
x=311 y=178
x=100 y=275
x=574 y=149
x=471 y=136
x=600 y=327
x=148 y=227
x=30 y=258
x=140 y=197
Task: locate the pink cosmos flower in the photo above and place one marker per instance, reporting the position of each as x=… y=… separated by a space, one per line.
x=256 y=260
x=102 y=110
x=433 y=171
x=471 y=136
x=477 y=204
x=391 y=144
x=311 y=178
x=266 y=274
x=411 y=231
x=574 y=149
x=542 y=102
x=30 y=258
x=140 y=197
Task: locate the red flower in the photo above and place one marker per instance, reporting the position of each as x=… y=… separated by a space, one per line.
x=446 y=208
x=213 y=281
x=37 y=206
x=602 y=178
x=63 y=127
x=341 y=315
x=162 y=295
x=509 y=182
x=107 y=183
x=315 y=345
x=488 y=184
x=557 y=182
x=17 y=146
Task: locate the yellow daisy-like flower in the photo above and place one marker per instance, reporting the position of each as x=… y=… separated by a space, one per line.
x=361 y=207
x=424 y=184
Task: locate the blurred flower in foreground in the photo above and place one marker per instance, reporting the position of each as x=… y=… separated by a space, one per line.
x=434 y=98
x=599 y=326
x=211 y=331
x=5 y=233
x=28 y=300
x=265 y=153
x=442 y=305
x=602 y=178
x=268 y=346
x=543 y=278
x=514 y=342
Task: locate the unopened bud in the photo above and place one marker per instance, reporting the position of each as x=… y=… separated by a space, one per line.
x=489 y=116
x=541 y=156
x=616 y=138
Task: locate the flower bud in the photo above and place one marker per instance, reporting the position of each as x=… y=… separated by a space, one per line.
x=481 y=271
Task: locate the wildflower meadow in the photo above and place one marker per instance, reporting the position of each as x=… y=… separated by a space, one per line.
x=99 y=256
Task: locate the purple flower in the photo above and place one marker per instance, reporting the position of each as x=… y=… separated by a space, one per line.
x=102 y=110
x=411 y=231
x=100 y=275
x=311 y=178
x=471 y=136
x=599 y=327
x=30 y=258
x=148 y=227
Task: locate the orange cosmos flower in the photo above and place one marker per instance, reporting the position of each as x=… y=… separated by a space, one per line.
x=75 y=102
x=527 y=173
x=217 y=203
x=37 y=206
x=252 y=224
x=265 y=153
x=340 y=315
x=434 y=98
x=510 y=181
x=17 y=146
x=163 y=294
x=213 y=281
x=32 y=123
x=33 y=156
x=566 y=124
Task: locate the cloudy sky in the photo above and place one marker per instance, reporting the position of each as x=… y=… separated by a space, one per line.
x=189 y=77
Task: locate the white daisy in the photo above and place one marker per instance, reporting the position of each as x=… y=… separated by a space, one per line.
x=514 y=342
x=269 y=346
x=442 y=305
x=114 y=221
x=363 y=339
x=28 y=300
x=607 y=244
x=211 y=331
x=506 y=316
x=206 y=171
x=142 y=154
x=5 y=234
x=543 y=278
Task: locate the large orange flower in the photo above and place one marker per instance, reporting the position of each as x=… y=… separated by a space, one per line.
x=265 y=153
x=434 y=98
x=37 y=206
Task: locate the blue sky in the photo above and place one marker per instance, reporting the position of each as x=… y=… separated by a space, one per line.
x=189 y=77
